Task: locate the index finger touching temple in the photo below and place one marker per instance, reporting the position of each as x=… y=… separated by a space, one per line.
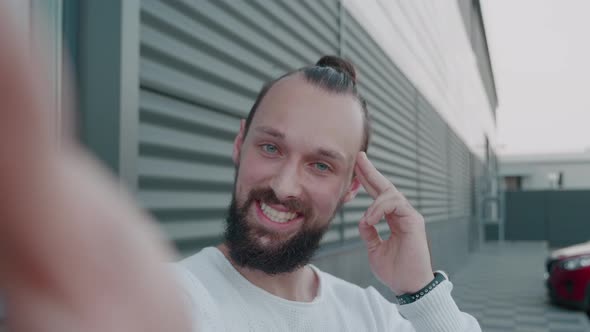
x=369 y=175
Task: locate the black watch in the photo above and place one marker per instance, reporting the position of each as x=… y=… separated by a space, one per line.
x=439 y=276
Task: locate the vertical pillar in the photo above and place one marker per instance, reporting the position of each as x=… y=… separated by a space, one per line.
x=109 y=82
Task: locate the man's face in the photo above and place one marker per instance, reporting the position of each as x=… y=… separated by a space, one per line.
x=294 y=170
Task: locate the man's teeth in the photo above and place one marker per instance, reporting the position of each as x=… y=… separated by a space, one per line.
x=277 y=216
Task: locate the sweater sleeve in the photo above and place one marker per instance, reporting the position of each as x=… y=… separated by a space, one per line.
x=438 y=312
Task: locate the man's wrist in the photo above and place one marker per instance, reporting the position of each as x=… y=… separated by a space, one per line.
x=413 y=284
x=406 y=298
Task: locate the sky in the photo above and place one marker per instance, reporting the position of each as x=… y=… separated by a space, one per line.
x=540 y=52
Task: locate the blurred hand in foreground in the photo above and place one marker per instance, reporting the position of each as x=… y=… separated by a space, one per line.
x=75 y=255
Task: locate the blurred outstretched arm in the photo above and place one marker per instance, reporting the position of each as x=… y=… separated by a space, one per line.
x=75 y=254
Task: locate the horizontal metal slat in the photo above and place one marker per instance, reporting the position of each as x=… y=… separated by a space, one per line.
x=162 y=78
x=182 y=140
x=193 y=230
x=157 y=167
x=392 y=159
x=407 y=171
x=330 y=237
x=324 y=12
x=360 y=37
x=180 y=200
x=380 y=89
x=156 y=109
x=191 y=27
x=198 y=63
x=300 y=21
x=250 y=21
x=403 y=134
x=247 y=26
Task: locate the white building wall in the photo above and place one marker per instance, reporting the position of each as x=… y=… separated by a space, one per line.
x=535 y=171
x=428 y=41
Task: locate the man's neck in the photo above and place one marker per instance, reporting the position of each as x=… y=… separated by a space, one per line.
x=300 y=285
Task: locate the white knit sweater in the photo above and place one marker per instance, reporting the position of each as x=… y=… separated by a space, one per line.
x=221 y=299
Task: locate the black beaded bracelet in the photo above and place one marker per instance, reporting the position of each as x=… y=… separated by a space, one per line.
x=409 y=298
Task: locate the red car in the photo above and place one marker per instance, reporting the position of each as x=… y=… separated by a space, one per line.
x=568 y=276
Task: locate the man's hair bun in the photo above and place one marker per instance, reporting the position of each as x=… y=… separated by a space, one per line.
x=338 y=64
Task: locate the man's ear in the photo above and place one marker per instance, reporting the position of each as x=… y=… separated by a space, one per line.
x=238 y=142
x=353 y=189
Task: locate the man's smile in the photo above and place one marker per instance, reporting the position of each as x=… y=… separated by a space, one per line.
x=273 y=218
x=277 y=215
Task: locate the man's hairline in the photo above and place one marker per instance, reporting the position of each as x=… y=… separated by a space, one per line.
x=299 y=72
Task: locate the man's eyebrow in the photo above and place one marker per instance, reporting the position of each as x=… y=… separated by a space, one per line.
x=270 y=131
x=332 y=154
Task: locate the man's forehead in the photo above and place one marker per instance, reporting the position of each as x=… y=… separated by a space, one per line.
x=295 y=86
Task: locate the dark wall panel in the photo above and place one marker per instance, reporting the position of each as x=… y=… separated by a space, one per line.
x=560 y=217
x=568 y=217
x=525 y=216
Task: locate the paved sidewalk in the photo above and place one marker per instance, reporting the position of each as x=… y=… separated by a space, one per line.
x=503 y=287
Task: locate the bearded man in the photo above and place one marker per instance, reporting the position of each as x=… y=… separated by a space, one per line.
x=300 y=155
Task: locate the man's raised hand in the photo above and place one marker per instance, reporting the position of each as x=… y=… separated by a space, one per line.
x=402 y=261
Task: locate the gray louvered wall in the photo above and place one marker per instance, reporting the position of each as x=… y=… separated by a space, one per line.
x=477 y=173
x=460 y=178
x=202 y=64
x=434 y=163
x=391 y=101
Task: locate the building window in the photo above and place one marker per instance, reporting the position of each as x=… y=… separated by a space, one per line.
x=513 y=183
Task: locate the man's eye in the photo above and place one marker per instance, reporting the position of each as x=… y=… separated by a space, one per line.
x=269 y=148
x=322 y=167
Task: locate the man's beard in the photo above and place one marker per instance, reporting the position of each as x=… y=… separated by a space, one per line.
x=277 y=255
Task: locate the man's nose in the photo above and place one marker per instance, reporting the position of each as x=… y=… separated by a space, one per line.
x=287 y=182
